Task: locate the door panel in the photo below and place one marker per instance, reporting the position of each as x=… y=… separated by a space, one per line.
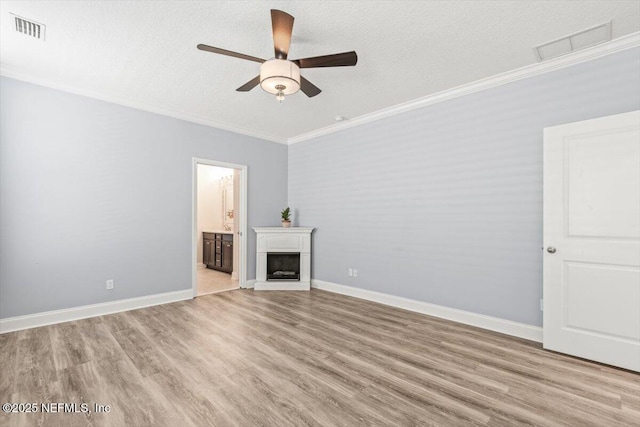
x=592 y=220
x=591 y=301
x=599 y=169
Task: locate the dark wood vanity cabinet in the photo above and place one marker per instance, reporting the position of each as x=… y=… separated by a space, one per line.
x=217 y=251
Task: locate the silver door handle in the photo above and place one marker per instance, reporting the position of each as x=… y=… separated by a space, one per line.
x=551 y=250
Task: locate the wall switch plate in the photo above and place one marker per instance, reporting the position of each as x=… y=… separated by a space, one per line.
x=109 y=284
x=350 y=272
x=355 y=272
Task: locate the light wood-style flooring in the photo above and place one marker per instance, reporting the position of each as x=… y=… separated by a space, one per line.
x=245 y=358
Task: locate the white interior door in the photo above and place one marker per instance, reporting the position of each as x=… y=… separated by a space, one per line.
x=592 y=239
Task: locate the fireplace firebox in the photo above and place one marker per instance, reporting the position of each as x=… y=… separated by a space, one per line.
x=283 y=266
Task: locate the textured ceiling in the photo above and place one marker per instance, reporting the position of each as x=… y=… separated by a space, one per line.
x=145 y=51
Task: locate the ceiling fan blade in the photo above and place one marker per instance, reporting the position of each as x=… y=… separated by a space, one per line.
x=250 y=84
x=229 y=53
x=308 y=88
x=282 y=25
x=345 y=59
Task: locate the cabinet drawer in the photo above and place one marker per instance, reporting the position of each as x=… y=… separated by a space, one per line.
x=209 y=236
x=227 y=237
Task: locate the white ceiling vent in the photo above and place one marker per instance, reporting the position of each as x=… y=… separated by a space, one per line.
x=29 y=27
x=576 y=41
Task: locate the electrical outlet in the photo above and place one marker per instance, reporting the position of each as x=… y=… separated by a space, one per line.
x=541 y=304
x=355 y=272
x=350 y=272
x=109 y=284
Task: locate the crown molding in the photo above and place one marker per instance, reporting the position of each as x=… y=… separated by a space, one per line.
x=621 y=43
x=12 y=73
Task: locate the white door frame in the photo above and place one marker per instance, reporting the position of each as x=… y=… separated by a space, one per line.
x=242 y=228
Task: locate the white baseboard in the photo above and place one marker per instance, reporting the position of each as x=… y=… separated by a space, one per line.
x=521 y=330
x=249 y=284
x=17 y=323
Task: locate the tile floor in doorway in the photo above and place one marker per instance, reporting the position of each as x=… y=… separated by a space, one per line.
x=212 y=281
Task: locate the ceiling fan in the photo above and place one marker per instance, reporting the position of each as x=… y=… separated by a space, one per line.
x=281 y=76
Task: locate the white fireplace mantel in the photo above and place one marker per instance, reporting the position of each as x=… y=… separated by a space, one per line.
x=283 y=240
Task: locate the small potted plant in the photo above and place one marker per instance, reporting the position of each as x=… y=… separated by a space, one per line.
x=286 y=217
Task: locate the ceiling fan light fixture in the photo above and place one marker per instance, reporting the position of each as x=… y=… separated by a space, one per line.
x=279 y=77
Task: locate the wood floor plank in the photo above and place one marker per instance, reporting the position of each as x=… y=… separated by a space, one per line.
x=36 y=366
x=69 y=348
x=302 y=359
x=8 y=365
x=133 y=398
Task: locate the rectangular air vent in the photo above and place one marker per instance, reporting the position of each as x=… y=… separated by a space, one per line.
x=573 y=42
x=29 y=27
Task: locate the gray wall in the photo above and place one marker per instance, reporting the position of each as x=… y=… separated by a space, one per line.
x=444 y=204
x=441 y=204
x=91 y=191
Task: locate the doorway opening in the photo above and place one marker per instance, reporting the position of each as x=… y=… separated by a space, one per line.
x=219 y=223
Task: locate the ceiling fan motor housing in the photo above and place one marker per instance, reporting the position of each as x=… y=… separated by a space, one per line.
x=276 y=73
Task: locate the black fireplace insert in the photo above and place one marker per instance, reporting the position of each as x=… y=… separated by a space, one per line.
x=283 y=266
